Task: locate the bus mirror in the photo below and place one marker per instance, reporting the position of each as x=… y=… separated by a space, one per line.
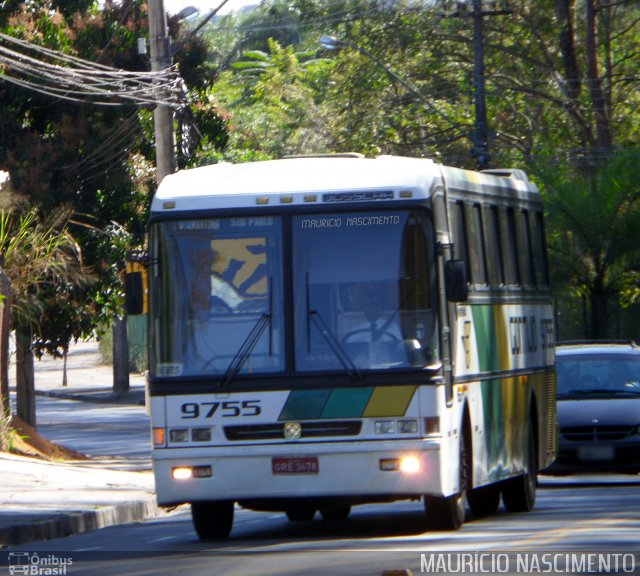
x=134 y=293
x=456 y=280
x=135 y=282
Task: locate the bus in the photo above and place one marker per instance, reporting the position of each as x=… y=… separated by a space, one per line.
x=335 y=330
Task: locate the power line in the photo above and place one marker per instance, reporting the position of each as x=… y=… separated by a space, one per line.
x=67 y=77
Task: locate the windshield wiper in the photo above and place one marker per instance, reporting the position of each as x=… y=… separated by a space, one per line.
x=335 y=345
x=245 y=349
x=249 y=343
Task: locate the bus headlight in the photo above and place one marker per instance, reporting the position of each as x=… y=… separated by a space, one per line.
x=188 y=472
x=396 y=426
x=406 y=464
x=409 y=464
x=184 y=473
x=385 y=426
x=179 y=435
x=407 y=426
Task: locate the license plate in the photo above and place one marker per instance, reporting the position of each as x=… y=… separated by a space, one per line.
x=596 y=453
x=295 y=465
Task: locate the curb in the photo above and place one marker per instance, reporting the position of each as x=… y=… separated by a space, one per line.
x=132 y=398
x=71 y=523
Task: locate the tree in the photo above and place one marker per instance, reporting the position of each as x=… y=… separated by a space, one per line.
x=271 y=99
x=97 y=159
x=37 y=254
x=561 y=79
x=595 y=236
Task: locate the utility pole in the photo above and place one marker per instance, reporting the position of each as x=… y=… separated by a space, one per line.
x=481 y=136
x=160 y=52
x=481 y=131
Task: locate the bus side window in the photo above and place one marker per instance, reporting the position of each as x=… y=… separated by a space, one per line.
x=493 y=246
x=475 y=244
x=459 y=234
x=525 y=261
x=508 y=241
x=538 y=249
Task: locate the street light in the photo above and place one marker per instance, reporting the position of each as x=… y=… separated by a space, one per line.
x=333 y=43
x=186 y=12
x=191 y=10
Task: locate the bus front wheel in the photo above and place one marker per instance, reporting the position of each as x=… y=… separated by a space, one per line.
x=448 y=512
x=519 y=494
x=212 y=520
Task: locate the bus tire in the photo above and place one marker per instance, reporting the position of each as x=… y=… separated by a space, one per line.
x=448 y=512
x=484 y=501
x=212 y=520
x=519 y=494
x=335 y=512
x=445 y=512
x=300 y=513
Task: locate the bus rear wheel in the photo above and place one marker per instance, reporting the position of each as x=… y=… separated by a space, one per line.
x=484 y=501
x=335 y=512
x=212 y=520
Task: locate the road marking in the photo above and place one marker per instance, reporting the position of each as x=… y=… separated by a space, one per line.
x=555 y=535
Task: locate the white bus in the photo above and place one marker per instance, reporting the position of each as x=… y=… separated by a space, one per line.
x=335 y=330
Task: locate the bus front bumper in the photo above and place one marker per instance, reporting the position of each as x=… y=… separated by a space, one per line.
x=375 y=469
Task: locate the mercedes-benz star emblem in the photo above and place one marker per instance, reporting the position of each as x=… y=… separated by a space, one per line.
x=292 y=430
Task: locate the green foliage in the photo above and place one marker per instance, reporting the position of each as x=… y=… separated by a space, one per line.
x=561 y=97
x=39 y=255
x=594 y=237
x=271 y=102
x=96 y=160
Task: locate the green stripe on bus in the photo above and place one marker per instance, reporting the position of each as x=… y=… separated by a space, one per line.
x=358 y=402
x=494 y=426
x=486 y=338
x=347 y=402
x=304 y=405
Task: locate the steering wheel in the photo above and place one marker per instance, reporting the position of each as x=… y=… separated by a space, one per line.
x=380 y=333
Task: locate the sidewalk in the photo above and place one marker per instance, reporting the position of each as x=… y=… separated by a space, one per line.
x=43 y=499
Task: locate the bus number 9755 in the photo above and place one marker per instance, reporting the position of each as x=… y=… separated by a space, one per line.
x=227 y=409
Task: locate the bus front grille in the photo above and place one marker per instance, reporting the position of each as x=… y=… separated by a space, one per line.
x=275 y=431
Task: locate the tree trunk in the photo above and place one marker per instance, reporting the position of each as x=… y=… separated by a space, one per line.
x=65 y=356
x=120 y=357
x=25 y=380
x=599 y=310
x=5 y=329
x=598 y=100
x=565 y=10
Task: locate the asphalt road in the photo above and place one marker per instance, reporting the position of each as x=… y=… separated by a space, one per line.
x=577 y=519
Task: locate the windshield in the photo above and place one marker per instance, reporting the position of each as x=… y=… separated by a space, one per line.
x=352 y=292
x=601 y=374
x=218 y=306
x=364 y=291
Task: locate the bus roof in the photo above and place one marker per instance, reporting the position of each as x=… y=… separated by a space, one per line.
x=315 y=180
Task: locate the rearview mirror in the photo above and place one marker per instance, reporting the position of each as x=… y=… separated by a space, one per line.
x=134 y=293
x=456 y=283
